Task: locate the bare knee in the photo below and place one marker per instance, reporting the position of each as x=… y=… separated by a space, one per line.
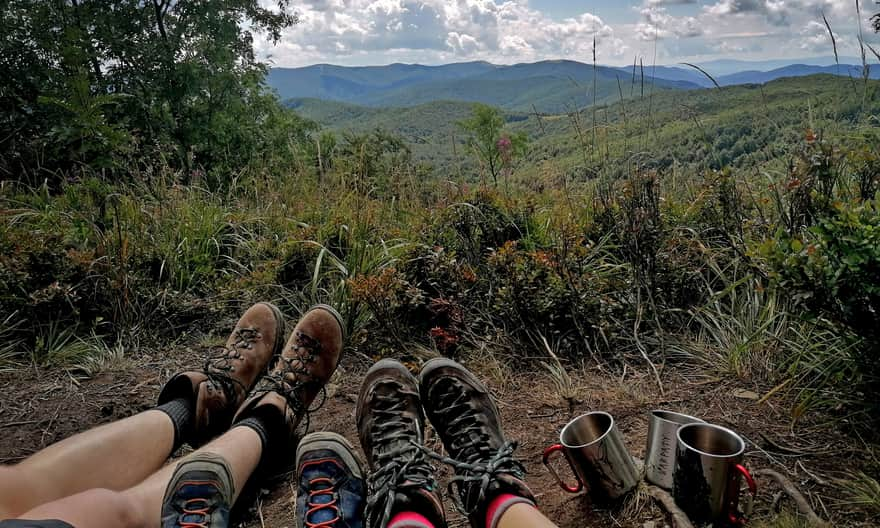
x=15 y=492
x=120 y=504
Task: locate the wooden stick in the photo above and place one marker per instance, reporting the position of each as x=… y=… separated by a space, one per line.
x=791 y=490
x=679 y=518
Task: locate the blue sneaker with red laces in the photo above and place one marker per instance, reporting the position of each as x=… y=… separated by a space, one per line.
x=331 y=488
x=199 y=494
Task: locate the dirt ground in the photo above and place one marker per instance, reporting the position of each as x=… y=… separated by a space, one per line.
x=38 y=408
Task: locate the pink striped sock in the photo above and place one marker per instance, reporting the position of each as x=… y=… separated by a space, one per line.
x=499 y=506
x=410 y=520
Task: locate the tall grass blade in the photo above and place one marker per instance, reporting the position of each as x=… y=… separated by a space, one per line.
x=833 y=41
x=704 y=72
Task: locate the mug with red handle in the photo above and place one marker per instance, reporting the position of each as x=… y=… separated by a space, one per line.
x=596 y=454
x=708 y=473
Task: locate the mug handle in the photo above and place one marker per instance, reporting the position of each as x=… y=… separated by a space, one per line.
x=735 y=517
x=546 y=458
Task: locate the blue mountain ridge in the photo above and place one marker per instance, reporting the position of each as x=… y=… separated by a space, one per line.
x=549 y=86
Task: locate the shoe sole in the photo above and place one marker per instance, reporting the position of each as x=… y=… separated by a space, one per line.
x=335 y=443
x=281 y=325
x=336 y=315
x=383 y=364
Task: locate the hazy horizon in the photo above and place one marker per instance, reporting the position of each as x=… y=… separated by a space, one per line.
x=816 y=61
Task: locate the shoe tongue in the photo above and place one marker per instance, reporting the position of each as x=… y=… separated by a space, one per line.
x=323 y=515
x=198 y=490
x=315 y=500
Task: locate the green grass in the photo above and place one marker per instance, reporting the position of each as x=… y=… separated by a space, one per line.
x=783 y=520
x=862 y=491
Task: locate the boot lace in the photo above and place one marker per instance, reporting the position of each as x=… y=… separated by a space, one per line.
x=477 y=465
x=294 y=379
x=220 y=364
x=195 y=506
x=403 y=466
x=318 y=487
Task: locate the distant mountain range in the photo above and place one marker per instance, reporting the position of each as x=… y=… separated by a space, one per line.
x=547 y=86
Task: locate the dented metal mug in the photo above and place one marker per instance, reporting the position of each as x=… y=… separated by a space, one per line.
x=662 y=445
x=594 y=448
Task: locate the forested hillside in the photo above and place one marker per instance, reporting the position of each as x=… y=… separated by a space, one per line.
x=549 y=86
x=740 y=126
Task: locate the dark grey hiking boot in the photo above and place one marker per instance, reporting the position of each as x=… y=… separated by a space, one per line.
x=391 y=429
x=462 y=412
x=200 y=493
x=229 y=372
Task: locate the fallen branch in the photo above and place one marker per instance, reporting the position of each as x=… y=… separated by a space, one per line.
x=795 y=495
x=679 y=518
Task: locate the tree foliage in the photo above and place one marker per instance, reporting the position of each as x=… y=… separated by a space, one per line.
x=100 y=84
x=493 y=148
x=373 y=161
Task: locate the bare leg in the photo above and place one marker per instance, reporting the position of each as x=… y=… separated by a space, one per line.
x=524 y=516
x=121 y=455
x=114 y=456
x=141 y=506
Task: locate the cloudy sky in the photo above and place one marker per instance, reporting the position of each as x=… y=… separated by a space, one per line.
x=366 y=32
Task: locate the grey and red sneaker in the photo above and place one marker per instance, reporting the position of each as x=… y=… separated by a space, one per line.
x=391 y=429
x=331 y=490
x=462 y=412
x=289 y=391
x=229 y=373
x=200 y=493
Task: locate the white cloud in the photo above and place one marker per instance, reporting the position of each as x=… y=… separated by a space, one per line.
x=658 y=23
x=506 y=31
x=779 y=12
x=438 y=30
x=655 y=3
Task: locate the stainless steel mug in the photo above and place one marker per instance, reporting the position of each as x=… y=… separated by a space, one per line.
x=662 y=445
x=708 y=468
x=594 y=448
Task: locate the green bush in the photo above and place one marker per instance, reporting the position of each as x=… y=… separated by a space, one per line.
x=834 y=266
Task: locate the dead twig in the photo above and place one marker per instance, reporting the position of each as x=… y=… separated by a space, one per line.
x=779 y=448
x=795 y=495
x=46 y=430
x=812 y=475
x=137 y=387
x=679 y=518
x=13 y=424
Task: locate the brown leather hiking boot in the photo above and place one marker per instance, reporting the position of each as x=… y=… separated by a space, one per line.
x=462 y=412
x=307 y=362
x=391 y=429
x=229 y=373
